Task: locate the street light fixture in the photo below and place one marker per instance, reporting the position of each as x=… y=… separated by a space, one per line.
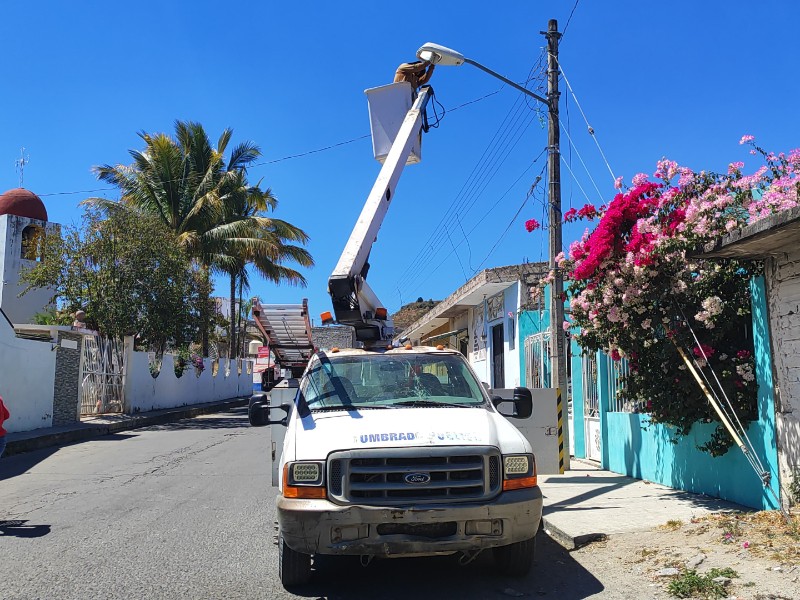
x=447 y=57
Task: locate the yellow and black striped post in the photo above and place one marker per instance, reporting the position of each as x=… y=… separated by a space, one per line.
x=560 y=409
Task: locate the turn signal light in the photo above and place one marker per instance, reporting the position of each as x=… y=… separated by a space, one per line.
x=518 y=483
x=307 y=492
x=381 y=313
x=327 y=318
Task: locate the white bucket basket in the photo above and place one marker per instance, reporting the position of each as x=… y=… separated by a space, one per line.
x=388 y=106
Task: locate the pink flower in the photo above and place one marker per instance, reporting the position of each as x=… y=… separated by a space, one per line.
x=703 y=350
x=618 y=183
x=566 y=325
x=734 y=167
x=532 y=225
x=746 y=545
x=746 y=139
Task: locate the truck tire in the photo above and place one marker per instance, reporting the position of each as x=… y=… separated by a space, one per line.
x=294 y=568
x=515 y=559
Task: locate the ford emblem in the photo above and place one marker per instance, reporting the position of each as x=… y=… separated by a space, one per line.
x=418 y=478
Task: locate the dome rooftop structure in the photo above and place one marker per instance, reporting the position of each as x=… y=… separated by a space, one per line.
x=22 y=203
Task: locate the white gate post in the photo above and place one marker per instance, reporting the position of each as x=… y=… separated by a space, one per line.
x=127 y=364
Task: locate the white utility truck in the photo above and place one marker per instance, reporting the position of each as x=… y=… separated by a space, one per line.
x=394 y=450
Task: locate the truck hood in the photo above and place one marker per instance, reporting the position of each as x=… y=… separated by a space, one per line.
x=319 y=434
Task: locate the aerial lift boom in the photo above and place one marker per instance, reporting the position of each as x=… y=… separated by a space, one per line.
x=354 y=302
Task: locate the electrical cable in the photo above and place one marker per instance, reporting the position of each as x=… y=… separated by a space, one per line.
x=426 y=252
x=497 y=202
x=580 y=158
x=589 y=127
x=277 y=160
x=571 y=172
x=514 y=218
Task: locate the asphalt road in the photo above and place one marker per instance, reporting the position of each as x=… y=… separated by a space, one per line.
x=186 y=510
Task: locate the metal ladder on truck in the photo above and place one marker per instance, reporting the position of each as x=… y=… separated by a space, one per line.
x=287 y=330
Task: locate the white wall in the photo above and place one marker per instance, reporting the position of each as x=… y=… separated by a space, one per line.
x=783 y=292
x=27 y=374
x=143 y=392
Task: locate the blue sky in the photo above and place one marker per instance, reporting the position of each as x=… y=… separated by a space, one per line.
x=683 y=79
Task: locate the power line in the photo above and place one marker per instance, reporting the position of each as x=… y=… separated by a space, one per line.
x=277 y=160
x=589 y=127
x=572 y=12
x=496 y=203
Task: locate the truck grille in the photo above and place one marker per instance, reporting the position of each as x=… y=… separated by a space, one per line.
x=400 y=476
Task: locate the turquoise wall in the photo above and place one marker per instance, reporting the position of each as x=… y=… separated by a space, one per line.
x=630 y=448
x=576 y=381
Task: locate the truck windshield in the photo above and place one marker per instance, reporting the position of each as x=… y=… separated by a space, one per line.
x=391 y=381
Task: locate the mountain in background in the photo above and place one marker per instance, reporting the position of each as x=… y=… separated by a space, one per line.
x=411 y=312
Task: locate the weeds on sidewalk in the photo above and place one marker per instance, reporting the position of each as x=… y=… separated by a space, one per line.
x=691 y=585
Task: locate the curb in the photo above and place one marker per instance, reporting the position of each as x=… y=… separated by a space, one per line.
x=86 y=431
x=570 y=542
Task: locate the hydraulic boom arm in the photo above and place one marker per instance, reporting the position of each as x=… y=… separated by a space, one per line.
x=354 y=302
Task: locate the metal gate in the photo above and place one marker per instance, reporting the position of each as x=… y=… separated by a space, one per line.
x=102 y=388
x=537 y=360
x=591 y=407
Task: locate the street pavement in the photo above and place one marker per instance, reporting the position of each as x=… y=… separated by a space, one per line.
x=186 y=510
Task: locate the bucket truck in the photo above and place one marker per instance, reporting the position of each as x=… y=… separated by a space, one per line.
x=389 y=451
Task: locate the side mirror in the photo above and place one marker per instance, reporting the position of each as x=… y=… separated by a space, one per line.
x=258 y=412
x=523 y=403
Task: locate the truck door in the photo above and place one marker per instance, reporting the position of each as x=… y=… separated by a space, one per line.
x=540 y=429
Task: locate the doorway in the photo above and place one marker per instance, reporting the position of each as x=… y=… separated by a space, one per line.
x=498 y=364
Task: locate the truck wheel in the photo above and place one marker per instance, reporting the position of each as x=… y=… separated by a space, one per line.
x=294 y=568
x=515 y=559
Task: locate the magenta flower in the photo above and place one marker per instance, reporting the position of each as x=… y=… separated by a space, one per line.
x=532 y=225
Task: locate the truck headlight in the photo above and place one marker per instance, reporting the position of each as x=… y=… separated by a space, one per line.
x=519 y=471
x=304 y=479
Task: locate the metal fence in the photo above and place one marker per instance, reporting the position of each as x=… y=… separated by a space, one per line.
x=617 y=371
x=537 y=360
x=591 y=399
x=102 y=376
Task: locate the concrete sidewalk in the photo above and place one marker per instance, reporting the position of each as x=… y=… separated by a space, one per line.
x=95 y=426
x=588 y=503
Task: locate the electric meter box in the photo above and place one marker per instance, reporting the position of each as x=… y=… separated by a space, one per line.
x=388 y=106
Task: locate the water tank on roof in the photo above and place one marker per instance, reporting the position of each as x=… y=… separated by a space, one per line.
x=388 y=106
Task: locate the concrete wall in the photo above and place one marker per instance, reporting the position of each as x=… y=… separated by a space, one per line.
x=341 y=336
x=19 y=310
x=783 y=293
x=143 y=392
x=649 y=454
x=27 y=374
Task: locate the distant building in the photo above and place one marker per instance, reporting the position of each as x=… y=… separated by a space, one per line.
x=23 y=223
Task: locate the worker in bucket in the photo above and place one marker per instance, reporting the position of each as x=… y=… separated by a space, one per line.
x=417 y=73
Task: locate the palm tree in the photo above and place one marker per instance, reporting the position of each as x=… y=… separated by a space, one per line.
x=208 y=203
x=267 y=243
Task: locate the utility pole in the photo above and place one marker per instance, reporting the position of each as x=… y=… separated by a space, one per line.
x=558 y=364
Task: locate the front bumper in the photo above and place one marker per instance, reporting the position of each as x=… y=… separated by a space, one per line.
x=322 y=527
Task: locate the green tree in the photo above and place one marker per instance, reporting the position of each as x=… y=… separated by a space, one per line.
x=126 y=271
x=206 y=201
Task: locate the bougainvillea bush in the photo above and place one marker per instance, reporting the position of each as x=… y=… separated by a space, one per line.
x=635 y=285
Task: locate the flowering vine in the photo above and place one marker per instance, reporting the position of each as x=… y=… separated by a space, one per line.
x=635 y=284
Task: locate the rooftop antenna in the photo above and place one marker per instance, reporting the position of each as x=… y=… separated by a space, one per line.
x=20 y=164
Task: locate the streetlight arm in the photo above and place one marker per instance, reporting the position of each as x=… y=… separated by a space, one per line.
x=513 y=84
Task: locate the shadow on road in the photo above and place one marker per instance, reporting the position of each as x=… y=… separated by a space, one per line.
x=232 y=419
x=555 y=575
x=20 y=529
